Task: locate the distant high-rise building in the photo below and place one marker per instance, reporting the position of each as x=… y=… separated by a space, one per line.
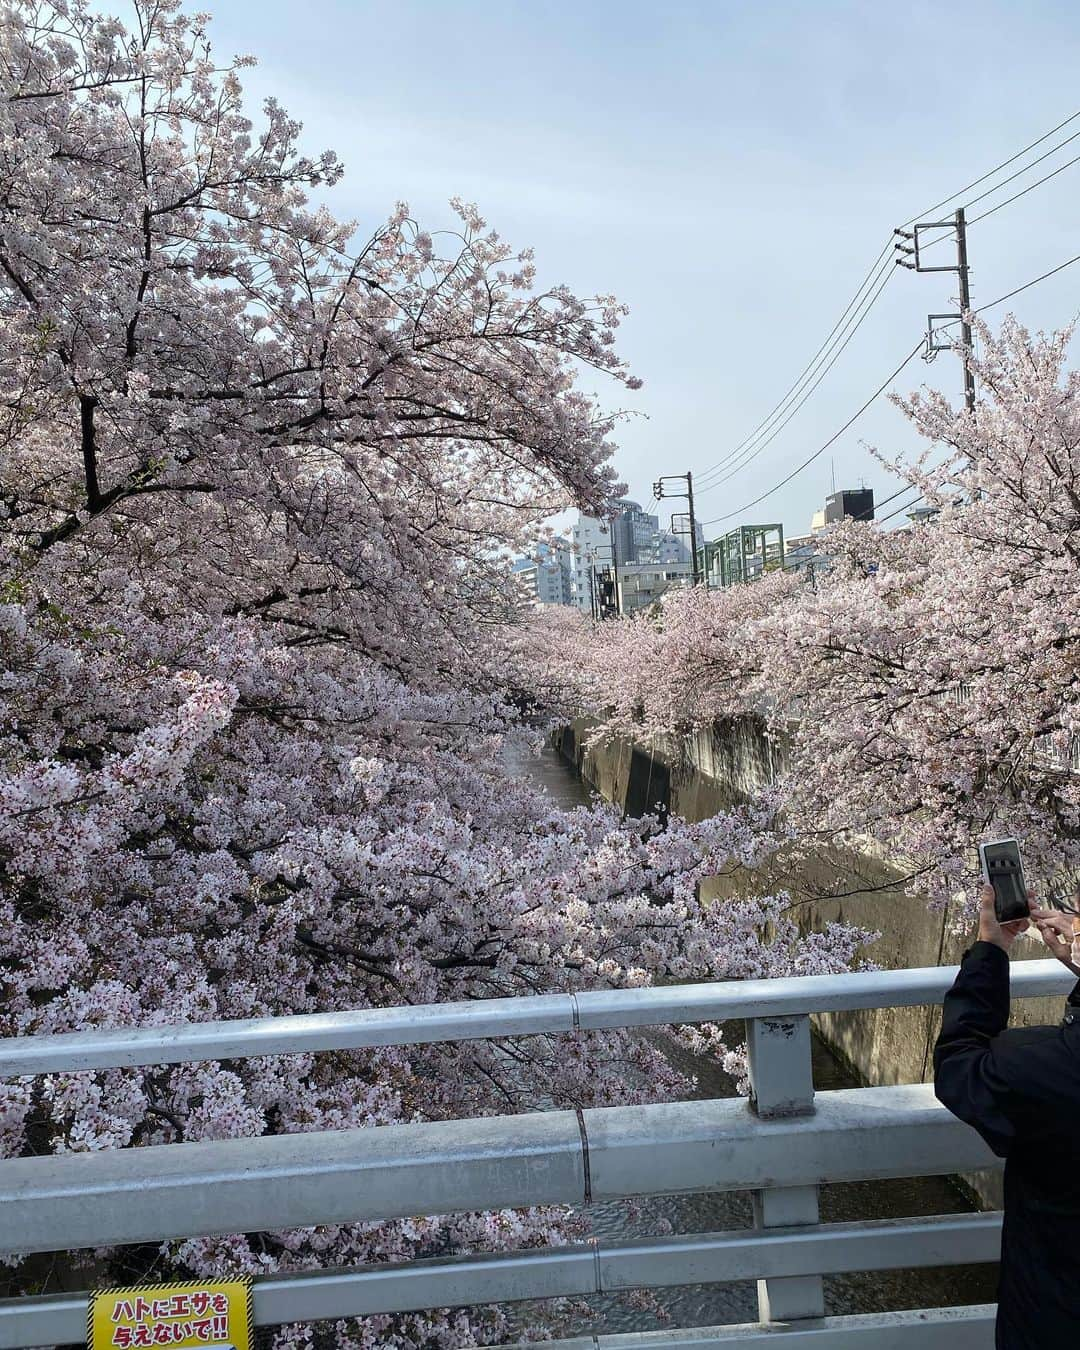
x=634 y=531
x=591 y=542
x=631 y=536
x=546 y=578
x=669 y=546
x=858 y=503
x=641 y=584
x=811 y=551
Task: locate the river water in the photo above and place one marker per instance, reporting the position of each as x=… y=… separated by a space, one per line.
x=712 y=1304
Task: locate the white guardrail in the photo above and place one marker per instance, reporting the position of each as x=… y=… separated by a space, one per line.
x=781 y=1146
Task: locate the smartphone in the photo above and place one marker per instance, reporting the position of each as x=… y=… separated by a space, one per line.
x=1002 y=869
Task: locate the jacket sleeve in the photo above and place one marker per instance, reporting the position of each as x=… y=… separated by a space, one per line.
x=967 y=1076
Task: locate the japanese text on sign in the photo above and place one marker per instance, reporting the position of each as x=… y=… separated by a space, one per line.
x=214 y=1316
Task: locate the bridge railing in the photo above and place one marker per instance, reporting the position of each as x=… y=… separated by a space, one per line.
x=781 y=1145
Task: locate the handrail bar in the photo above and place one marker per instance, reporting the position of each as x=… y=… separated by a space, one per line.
x=482 y=1019
x=255 y=1184
x=593 y=1267
x=964 y=1328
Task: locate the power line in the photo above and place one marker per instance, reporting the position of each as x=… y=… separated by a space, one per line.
x=900 y=510
x=808 y=370
x=959 y=226
x=1009 y=294
x=1020 y=172
x=982 y=308
x=865 y=515
x=1017 y=195
x=990 y=172
x=868 y=281
x=746 y=457
x=990 y=305
x=1011 y=178
x=821 y=450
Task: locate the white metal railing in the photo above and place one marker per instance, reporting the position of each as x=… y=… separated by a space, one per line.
x=781 y=1146
x=483 y=1019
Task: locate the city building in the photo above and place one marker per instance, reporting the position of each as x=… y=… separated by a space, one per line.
x=634 y=531
x=546 y=578
x=802 y=552
x=857 y=503
x=591 y=551
x=807 y=552
x=642 y=584
x=667 y=546
x=633 y=535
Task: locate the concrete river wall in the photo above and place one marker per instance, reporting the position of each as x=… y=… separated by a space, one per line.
x=714 y=770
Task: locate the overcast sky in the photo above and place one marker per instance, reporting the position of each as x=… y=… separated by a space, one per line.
x=729 y=170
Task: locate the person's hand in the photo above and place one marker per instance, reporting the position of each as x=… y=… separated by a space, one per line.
x=1002 y=935
x=1056 y=931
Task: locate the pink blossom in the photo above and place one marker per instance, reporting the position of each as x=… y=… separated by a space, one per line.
x=260 y=654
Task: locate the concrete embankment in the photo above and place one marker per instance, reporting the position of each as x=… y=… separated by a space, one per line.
x=714 y=770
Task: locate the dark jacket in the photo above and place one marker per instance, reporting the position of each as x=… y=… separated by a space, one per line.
x=1021 y=1090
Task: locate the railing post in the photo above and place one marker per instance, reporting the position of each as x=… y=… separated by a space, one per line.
x=782 y=1085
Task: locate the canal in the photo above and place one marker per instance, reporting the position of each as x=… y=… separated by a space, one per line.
x=711 y=1304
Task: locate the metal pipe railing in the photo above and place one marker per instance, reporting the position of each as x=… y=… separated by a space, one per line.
x=338 y=1176
x=924 y=1329
x=594 y=1267
x=482 y=1019
x=786 y=1143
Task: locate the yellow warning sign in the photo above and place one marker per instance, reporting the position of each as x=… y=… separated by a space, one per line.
x=184 y=1316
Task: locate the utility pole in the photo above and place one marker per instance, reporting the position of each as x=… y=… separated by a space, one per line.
x=913 y=250
x=694 y=569
x=680 y=525
x=660 y=492
x=606 y=598
x=615 y=568
x=965 y=308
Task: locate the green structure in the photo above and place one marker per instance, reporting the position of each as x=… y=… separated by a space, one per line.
x=743 y=554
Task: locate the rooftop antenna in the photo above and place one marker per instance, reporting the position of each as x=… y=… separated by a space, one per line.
x=833 y=463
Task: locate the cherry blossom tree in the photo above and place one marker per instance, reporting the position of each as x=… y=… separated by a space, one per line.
x=662 y=673
x=942 y=689
x=927 y=688
x=259 y=488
